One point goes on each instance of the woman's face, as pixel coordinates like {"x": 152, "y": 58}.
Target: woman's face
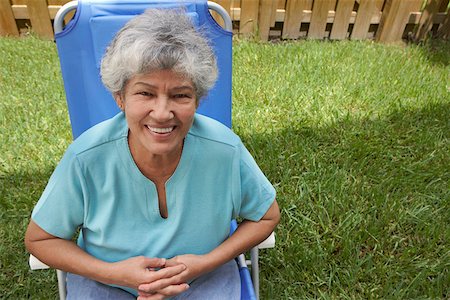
{"x": 159, "y": 108}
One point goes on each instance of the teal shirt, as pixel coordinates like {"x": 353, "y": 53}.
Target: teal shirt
{"x": 98, "y": 188}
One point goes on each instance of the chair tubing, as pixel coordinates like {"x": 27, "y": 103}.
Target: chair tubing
{"x": 72, "y": 5}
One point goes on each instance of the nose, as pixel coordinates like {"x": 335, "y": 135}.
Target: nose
{"x": 161, "y": 110}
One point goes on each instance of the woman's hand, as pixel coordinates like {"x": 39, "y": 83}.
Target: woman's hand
{"x": 137, "y": 270}
{"x": 195, "y": 265}
{"x": 163, "y": 280}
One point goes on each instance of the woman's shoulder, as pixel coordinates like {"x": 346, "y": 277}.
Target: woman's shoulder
{"x": 101, "y": 134}
{"x": 209, "y": 129}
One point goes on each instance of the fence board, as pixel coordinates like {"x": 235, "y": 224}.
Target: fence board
{"x": 40, "y": 18}
{"x": 249, "y": 17}
{"x": 332, "y": 5}
{"x": 394, "y": 19}
{"x": 319, "y": 19}
{"x": 342, "y": 19}
{"x": 309, "y": 4}
{"x": 58, "y": 2}
{"x": 364, "y": 16}
{"x": 21, "y": 11}
{"x": 444, "y": 5}
{"x": 7, "y": 20}
{"x": 431, "y": 9}
{"x": 264, "y": 19}
{"x": 273, "y": 15}
{"x": 444, "y": 30}
{"x": 293, "y": 18}
{"x": 391, "y": 17}
{"x": 379, "y": 4}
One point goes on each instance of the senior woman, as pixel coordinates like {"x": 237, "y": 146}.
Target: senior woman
{"x": 152, "y": 191}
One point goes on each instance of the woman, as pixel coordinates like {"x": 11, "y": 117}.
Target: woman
{"x": 152, "y": 190}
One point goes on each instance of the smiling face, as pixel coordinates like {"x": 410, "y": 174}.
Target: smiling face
{"x": 159, "y": 108}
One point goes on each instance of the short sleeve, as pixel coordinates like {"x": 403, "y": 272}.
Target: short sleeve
{"x": 257, "y": 193}
{"x": 60, "y": 210}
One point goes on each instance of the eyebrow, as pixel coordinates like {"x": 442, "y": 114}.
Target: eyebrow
{"x": 183, "y": 87}
{"x": 177, "y": 88}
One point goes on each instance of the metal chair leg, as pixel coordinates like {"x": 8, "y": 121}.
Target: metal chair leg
{"x": 254, "y": 257}
{"x": 61, "y": 284}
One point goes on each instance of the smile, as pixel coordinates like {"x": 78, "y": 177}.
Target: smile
{"x": 161, "y": 130}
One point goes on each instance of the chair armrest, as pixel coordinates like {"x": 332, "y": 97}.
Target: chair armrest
{"x": 268, "y": 243}
{"x": 36, "y": 264}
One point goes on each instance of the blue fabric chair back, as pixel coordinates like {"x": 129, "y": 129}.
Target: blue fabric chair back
{"x": 83, "y": 41}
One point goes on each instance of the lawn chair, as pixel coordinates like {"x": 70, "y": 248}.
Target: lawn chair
{"x": 81, "y": 45}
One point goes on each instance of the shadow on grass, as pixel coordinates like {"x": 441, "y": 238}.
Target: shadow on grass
{"x": 436, "y": 51}
{"x": 365, "y": 206}
{"x": 19, "y": 193}
{"x": 364, "y": 203}
{"x": 396, "y": 142}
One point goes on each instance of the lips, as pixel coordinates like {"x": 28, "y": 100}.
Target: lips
{"x": 161, "y": 130}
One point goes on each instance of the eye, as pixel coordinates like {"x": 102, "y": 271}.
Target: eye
{"x": 181, "y": 96}
{"x": 144, "y": 93}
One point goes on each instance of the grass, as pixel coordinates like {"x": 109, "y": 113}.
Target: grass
{"x": 354, "y": 135}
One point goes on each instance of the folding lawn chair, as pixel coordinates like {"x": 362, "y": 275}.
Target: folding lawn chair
{"x": 81, "y": 45}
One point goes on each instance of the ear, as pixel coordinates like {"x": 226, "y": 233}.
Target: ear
{"x": 119, "y": 100}
{"x": 197, "y": 102}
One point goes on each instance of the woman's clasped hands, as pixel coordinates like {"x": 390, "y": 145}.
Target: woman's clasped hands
{"x": 153, "y": 277}
{"x": 172, "y": 277}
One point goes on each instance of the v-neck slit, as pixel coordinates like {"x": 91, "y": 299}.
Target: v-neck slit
{"x": 151, "y": 192}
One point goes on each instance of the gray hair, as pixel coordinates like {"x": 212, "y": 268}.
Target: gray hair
{"x": 159, "y": 39}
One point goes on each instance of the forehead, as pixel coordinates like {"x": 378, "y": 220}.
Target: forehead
{"x": 166, "y": 79}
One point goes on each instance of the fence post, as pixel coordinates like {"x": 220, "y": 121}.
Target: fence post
{"x": 248, "y": 23}
{"x": 40, "y": 18}
{"x": 342, "y": 19}
{"x": 444, "y": 31}
{"x": 319, "y": 18}
{"x": 7, "y": 21}
{"x": 266, "y": 10}
{"x": 293, "y": 18}
{"x": 426, "y": 19}
{"x": 394, "y": 19}
{"x": 363, "y": 18}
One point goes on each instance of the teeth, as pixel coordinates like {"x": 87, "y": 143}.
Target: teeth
{"x": 161, "y": 130}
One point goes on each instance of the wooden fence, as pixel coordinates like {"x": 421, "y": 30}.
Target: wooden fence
{"x": 381, "y": 20}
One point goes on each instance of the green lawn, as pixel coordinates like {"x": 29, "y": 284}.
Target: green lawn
{"x": 354, "y": 135}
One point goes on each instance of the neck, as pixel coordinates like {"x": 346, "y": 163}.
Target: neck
{"x": 156, "y": 167}
{"x": 160, "y": 167}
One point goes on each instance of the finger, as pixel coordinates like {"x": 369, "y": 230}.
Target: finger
{"x": 172, "y": 262}
{"x": 147, "y": 294}
{"x": 163, "y": 278}
{"x": 164, "y": 273}
{"x": 154, "y": 262}
{"x": 151, "y": 297}
{"x": 173, "y": 290}
{"x": 162, "y": 283}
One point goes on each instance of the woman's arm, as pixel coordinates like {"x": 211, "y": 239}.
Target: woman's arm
{"x": 66, "y": 255}
{"x": 247, "y": 235}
